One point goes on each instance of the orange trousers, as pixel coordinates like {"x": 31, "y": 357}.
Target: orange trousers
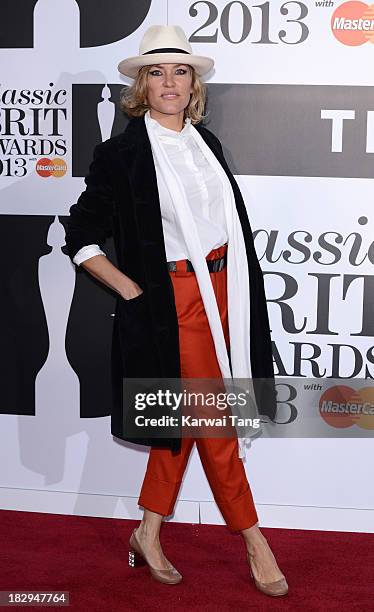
{"x": 219, "y": 456}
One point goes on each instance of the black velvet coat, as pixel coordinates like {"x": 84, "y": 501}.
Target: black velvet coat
{"x": 121, "y": 199}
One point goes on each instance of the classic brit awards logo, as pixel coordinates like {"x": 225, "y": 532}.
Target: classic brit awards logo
{"x": 33, "y": 124}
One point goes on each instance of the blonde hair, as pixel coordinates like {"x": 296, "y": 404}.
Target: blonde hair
{"x": 133, "y": 98}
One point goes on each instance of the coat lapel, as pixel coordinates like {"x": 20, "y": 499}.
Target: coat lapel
{"x": 138, "y": 165}
{"x": 136, "y": 155}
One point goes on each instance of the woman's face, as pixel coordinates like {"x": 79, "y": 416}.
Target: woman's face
{"x": 169, "y": 87}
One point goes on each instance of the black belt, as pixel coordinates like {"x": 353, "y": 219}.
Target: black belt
{"x": 214, "y": 265}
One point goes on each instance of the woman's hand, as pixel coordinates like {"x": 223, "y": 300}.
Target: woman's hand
{"x": 132, "y": 291}
{"x": 101, "y": 268}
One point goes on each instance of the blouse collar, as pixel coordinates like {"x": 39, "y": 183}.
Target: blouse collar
{"x": 166, "y": 133}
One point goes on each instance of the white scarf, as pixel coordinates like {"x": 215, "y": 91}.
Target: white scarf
{"x": 237, "y": 264}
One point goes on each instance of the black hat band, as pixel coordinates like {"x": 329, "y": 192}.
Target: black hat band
{"x": 167, "y": 50}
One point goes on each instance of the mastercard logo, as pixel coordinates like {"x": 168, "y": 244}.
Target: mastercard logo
{"x": 341, "y": 406}
{"x": 51, "y": 167}
{"x": 352, "y": 23}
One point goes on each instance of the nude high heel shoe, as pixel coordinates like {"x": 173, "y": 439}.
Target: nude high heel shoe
{"x": 275, "y": 588}
{"x": 137, "y": 557}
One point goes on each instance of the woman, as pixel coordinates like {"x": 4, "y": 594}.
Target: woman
{"x": 188, "y": 283}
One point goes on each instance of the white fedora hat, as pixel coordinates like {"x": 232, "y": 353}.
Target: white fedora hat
{"x": 164, "y": 44}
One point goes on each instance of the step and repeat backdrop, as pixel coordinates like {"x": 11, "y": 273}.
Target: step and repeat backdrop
{"x": 292, "y": 101}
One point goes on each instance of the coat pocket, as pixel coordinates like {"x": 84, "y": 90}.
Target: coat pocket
{"x": 135, "y": 299}
{"x": 134, "y": 322}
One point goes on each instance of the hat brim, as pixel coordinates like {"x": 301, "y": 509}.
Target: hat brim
{"x": 131, "y": 66}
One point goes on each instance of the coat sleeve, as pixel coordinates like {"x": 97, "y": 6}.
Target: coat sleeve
{"x": 90, "y": 220}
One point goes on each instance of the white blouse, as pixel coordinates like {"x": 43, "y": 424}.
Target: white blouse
{"x": 203, "y": 190}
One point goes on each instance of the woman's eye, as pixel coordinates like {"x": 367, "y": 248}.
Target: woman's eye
{"x": 158, "y": 72}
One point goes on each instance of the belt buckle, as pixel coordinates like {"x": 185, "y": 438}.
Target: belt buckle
{"x": 217, "y": 264}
